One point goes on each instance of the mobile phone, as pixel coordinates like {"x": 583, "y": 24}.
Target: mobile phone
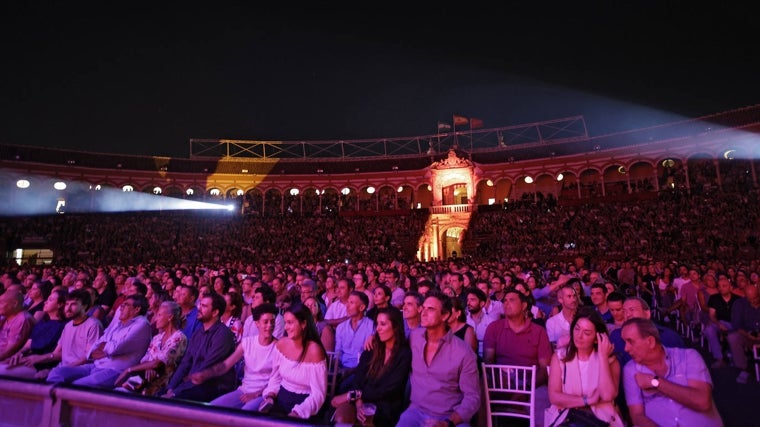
{"x": 266, "y": 406}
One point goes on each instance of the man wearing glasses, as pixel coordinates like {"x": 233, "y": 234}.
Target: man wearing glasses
{"x": 121, "y": 346}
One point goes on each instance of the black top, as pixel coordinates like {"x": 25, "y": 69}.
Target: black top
{"x": 387, "y": 391}
{"x": 721, "y": 306}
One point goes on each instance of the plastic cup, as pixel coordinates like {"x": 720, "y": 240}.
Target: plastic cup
{"x": 369, "y": 409}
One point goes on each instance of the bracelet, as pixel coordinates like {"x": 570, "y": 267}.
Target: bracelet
{"x": 585, "y": 401}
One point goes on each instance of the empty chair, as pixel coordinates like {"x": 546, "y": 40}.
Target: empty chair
{"x": 509, "y": 392}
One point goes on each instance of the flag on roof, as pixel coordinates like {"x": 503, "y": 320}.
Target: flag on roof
{"x": 460, "y": 120}
{"x": 443, "y": 127}
{"x": 476, "y": 123}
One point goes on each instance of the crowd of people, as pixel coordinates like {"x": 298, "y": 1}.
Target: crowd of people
{"x": 247, "y": 313}
{"x": 410, "y": 359}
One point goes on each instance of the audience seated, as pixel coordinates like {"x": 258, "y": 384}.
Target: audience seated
{"x": 646, "y": 236}
{"x": 122, "y": 345}
{"x": 257, "y": 353}
{"x": 43, "y": 339}
{"x": 164, "y": 353}
{"x": 298, "y": 384}
{"x": 211, "y": 344}
{"x": 381, "y": 376}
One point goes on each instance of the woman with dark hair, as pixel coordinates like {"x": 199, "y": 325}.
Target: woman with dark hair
{"x": 381, "y": 297}
{"x": 154, "y": 302}
{"x": 381, "y": 375}
{"x": 459, "y": 326}
{"x": 232, "y": 312}
{"x": 105, "y": 287}
{"x": 38, "y": 294}
{"x": 298, "y": 385}
{"x": 326, "y": 332}
{"x": 586, "y": 379}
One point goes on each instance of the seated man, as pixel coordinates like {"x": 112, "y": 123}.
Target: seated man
{"x": 599, "y": 299}
{"x": 210, "y": 345}
{"x": 444, "y": 378}
{"x": 745, "y": 319}
{"x": 122, "y": 345}
{"x": 15, "y": 323}
{"x": 635, "y": 307}
{"x": 665, "y": 386}
{"x": 350, "y": 337}
{"x": 515, "y": 340}
{"x": 77, "y": 338}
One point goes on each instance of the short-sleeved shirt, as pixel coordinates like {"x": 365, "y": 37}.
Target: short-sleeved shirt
{"x": 15, "y": 330}
{"x": 721, "y": 306}
{"x": 77, "y": 340}
{"x": 336, "y": 310}
{"x": 521, "y": 348}
{"x": 557, "y": 326}
{"x": 684, "y": 364}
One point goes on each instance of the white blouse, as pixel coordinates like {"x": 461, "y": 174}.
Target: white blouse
{"x": 301, "y": 378}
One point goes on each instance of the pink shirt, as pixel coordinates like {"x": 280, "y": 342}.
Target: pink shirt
{"x": 14, "y": 331}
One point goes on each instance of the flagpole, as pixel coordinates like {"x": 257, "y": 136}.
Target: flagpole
{"x": 470, "y": 134}
{"x": 454, "y": 123}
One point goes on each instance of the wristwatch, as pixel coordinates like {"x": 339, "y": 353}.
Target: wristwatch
{"x": 655, "y": 381}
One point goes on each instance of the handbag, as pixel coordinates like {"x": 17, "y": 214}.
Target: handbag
{"x": 578, "y": 418}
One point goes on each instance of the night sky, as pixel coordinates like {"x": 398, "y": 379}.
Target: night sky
{"x": 138, "y": 78}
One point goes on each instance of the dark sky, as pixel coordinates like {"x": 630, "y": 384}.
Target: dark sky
{"x": 126, "y": 78}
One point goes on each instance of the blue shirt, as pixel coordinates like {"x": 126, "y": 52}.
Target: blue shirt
{"x": 191, "y": 323}
{"x": 684, "y": 364}
{"x": 349, "y": 342}
{"x": 668, "y": 337}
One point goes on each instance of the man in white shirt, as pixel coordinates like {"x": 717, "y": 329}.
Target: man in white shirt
{"x": 76, "y": 340}
{"x": 336, "y": 312}
{"x": 263, "y": 295}
{"x": 558, "y": 326}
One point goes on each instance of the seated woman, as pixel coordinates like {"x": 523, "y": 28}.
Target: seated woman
{"x": 231, "y": 316}
{"x": 381, "y": 298}
{"x": 257, "y": 352}
{"x": 587, "y": 378}
{"x": 381, "y": 375}
{"x": 298, "y": 384}
{"x": 38, "y": 295}
{"x": 459, "y": 326}
{"x": 326, "y": 332}
{"x": 164, "y": 353}
{"x": 43, "y": 340}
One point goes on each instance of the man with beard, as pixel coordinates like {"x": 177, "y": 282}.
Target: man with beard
{"x": 212, "y": 343}
{"x": 76, "y": 340}
{"x": 122, "y": 345}
{"x": 476, "y": 315}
